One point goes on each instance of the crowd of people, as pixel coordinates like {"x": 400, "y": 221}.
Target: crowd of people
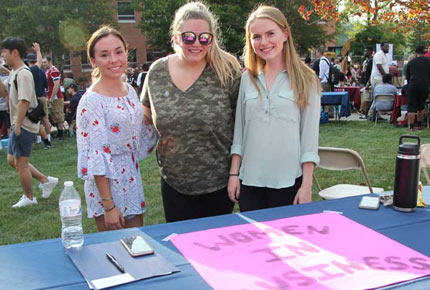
{"x": 222, "y": 134}
{"x": 20, "y": 90}
{"x": 376, "y": 75}
{"x": 27, "y": 80}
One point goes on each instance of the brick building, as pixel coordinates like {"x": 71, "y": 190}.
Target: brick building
{"x": 127, "y": 20}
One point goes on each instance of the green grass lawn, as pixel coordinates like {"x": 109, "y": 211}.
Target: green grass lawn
{"x": 376, "y": 144}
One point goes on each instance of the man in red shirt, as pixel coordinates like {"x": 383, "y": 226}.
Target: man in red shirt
{"x": 54, "y": 95}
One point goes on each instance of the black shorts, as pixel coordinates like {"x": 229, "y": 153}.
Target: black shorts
{"x": 4, "y": 118}
{"x": 417, "y": 95}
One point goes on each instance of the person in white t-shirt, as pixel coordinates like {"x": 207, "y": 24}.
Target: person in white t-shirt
{"x": 324, "y": 70}
{"x": 380, "y": 65}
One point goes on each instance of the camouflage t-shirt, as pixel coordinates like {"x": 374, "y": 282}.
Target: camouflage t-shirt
{"x": 195, "y": 128}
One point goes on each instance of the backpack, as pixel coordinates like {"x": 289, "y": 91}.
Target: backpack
{"x": 333, "y": 74}
{"x": 324, "y": 117}
{"x": 316, "y": 66}
{"x": 36, "y": 114}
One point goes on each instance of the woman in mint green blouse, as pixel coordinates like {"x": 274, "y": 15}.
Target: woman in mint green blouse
{"x": 275, "y": 144}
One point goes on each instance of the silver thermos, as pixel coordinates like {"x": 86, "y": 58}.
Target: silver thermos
{"x": 407, "y": 175}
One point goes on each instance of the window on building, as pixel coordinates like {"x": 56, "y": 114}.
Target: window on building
{"x": 125, "y": 12}
{"x": 132, "y": 56}
{"x": 86, "y": 66}
{"x": 66, "y": 58}
{"x": 152, "y": 55}
{"x": 66, "y": 63}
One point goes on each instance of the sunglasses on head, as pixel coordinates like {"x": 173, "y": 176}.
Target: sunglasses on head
{"x": 189, "y": 37}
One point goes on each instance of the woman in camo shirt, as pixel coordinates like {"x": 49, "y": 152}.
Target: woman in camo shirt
{"x": 190, "y": 97}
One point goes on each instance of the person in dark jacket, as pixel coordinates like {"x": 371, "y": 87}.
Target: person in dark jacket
{"x": 366, "y": 95}
{"x": 418, "y": 77}
{"x": 75, "y": 97}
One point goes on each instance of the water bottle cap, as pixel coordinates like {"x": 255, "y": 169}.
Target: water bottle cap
{"x": 409, "y": 149}
{"x": 68, "y": 183}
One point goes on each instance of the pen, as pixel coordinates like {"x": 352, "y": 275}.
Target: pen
{"x": 115, "y": 262}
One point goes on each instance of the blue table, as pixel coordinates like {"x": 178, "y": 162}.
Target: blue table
{"x": 336, "y": 99}
{"x": 44, "y": 265}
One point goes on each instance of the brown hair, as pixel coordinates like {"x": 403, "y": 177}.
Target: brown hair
{"x": 302, "y": 78}
{"x": 102, "y": 32}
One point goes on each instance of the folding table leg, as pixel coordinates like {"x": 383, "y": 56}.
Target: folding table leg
{"x": 336, "y": 112}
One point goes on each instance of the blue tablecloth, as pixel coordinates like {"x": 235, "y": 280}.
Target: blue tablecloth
{"x": 338, "y": 98}
{"x": 44, "y": 264}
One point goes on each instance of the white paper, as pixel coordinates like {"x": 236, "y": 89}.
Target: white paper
{"x": 112, "y": 281}
{"x": 332, "y": 211}
{"x": 166, "y": 239}
{"x": 89, "y": 284}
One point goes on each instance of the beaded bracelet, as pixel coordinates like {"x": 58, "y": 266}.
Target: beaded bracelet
{"x": 109, "y": 209}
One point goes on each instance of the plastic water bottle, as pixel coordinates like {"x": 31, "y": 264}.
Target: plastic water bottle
{"x": 72, "y": 234}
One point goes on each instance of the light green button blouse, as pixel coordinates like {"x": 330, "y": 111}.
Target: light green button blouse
{"x": 272, "y": 134}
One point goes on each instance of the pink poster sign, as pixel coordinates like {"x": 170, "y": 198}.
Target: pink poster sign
{"x": 318, "y": 251}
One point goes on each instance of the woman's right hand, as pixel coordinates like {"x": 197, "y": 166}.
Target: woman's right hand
{"x": 233, "y": 188}
{"x": 114, "y": 219}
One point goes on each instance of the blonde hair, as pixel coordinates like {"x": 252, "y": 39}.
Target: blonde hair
{"x": 302, "y": 78}
{"x": 102, "y": 32}
{"x": 225, "y": 65}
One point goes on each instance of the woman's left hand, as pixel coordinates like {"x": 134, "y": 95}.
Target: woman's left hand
{"x": 304, "y": 195}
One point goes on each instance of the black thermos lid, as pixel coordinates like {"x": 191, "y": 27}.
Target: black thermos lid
{"x": 409, "y": 148}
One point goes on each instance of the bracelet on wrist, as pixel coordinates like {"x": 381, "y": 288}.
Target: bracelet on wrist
{"x": 107, "y": 199}
{"x": 234, "y": 174}
{"x": 109, "y": 209}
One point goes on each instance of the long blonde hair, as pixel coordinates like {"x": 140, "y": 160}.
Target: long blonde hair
{"x": 302, "y": 78}
{"x": 225, "y": 65}
{"x": 100, "y": 33}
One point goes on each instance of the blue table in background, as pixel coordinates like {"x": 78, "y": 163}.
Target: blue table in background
{"x": 44, "y": 264}
{"x": 337, "y": 99}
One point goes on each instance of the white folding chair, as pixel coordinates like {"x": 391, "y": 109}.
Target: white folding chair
{"x": 425, "y": 160}
{"x": 383, "y": 98}
{"x": 340, "y": 159}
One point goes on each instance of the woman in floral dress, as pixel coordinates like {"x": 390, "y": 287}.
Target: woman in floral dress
{"x": 112, "y": 137}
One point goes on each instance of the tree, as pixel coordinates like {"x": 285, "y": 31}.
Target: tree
{"x": 396, "y": 20}
{"x": 420, "y": 36}
{"x": 371, "y": 35}
{"x": 232, "y": 17}
{"x": 155, "y": 21}
{"x": 308, "y": 33}
{"x": 59, "y": 26}
{"x": 404, "y": 15}
{"x": 158, "y": 15}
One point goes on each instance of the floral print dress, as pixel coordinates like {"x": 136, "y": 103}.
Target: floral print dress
{"x": 111, "y": 139}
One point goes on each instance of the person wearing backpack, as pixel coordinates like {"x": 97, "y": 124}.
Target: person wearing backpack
{"x": 323, "y": 70}
{"x": 40, "y": 85}
{"x": 321, "y": 66}
{"x": 22, "y": 96}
